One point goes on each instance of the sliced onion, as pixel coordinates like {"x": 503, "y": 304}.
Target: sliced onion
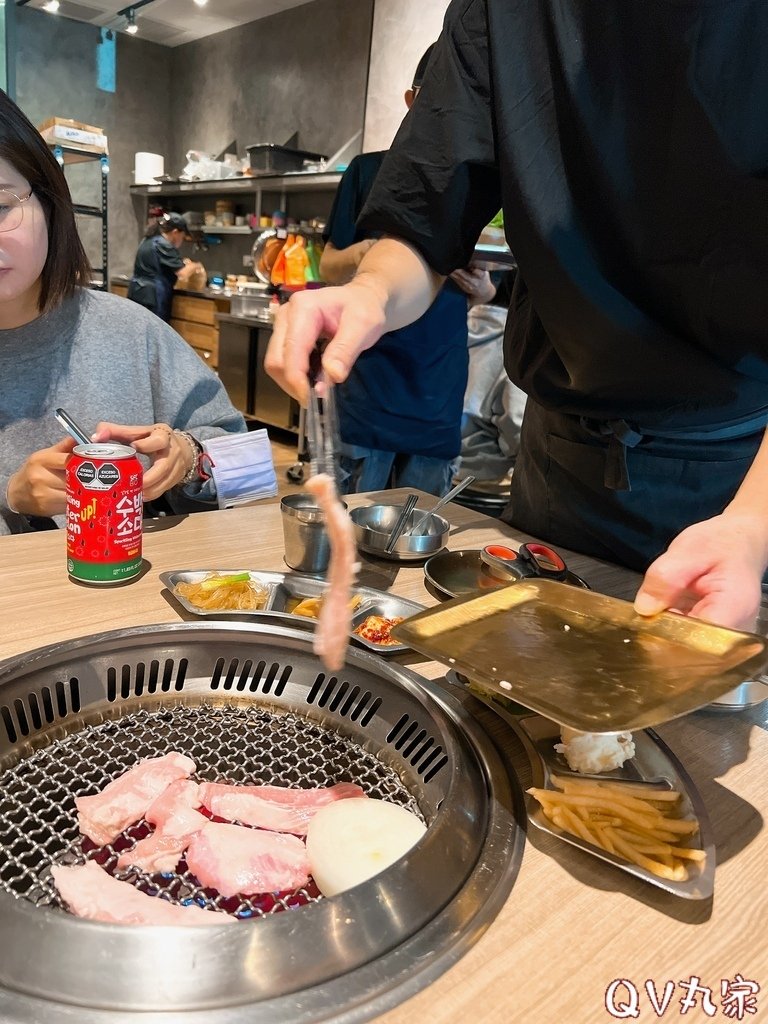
{"x": 350, "y": 841}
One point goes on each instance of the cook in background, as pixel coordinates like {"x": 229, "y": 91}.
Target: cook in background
{"x": 159, "y": 268}
{"x": 493, "y": 405}
{"x": 99, "y": 356}
{"x": 400, "y": 407}
{"x": 634, "y": 190}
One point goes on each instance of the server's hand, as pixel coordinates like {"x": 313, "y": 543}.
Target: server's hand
{"x": 712, "y": 570}
{"x": 39, "y": 487}
{"x": 171, "y": 454}
{"x": 352, "y": 317}
{"x": 393, "y": 287}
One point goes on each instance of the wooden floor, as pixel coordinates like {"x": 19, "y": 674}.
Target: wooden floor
{"x": 285, "y": 455}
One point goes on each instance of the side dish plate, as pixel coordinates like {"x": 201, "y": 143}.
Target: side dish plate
{"x": 653, "y": 763}
{"x": 284, "y": 590}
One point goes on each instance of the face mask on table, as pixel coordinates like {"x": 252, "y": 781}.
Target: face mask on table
{"x": 242, "y": 467}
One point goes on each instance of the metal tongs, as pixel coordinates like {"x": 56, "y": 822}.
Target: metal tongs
{"x": 322, "y": 422}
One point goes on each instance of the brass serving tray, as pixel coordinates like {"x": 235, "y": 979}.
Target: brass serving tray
{"x": 583, "y": 659}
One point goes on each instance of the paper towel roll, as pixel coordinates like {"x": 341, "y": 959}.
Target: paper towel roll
{"x": 147, "y": 167}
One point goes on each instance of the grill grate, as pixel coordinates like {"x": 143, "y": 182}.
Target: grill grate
{"x": 229, "y": 743}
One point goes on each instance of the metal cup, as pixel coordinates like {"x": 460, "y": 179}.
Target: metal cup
{"x": 306, "y": 541}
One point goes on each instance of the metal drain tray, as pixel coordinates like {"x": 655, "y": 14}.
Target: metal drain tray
{"x": 248, "y": 703}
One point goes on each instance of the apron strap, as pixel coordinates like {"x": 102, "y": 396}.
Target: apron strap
{"x": 622, "y": 436}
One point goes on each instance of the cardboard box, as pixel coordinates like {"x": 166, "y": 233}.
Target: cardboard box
{"x": 68, "y": 132}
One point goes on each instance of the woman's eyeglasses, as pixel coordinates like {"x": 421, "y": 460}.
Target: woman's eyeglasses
{"x": 11, "y": 210}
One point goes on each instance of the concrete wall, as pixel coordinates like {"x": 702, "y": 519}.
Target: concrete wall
{"x": 402, "y": 30}
{"x": 56, "y": 75}
{"x": 302, "y": 70}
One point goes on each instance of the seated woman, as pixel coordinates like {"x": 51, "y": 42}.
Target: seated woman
{"x": 112, "y": 364}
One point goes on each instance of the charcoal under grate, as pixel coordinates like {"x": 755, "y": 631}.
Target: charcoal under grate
{"x": 236, "y": 744}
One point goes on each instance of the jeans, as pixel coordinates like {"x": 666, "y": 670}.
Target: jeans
{"x": 368, "y": 469}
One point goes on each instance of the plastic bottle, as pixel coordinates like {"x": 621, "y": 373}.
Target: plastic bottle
{"x": 296, "y": 262}
{"x": 312, "y": 272}
{"x": 278, "y": 272}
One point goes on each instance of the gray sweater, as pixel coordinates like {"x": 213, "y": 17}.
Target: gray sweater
{"x": 101, "y": 357}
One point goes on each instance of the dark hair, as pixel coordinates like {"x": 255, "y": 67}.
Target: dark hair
{"x": 421, "y": 67}
{"x": 66, "y": 265}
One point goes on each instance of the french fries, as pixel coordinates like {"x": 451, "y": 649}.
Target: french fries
{"x": 638, "y": 824}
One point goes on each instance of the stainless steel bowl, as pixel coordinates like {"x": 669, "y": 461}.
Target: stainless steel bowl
{"x": 373, "y": 525}
{"x": 751, "y": 692}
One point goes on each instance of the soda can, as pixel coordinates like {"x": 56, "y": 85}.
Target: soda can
{"x": 104, "y": 513}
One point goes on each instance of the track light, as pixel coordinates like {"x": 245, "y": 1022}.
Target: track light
{"x": 200, "y": 3}
{"x": 51, "y": 6}
{"x": 131, "y": 27}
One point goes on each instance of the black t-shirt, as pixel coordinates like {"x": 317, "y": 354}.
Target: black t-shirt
{"x": 155, "y": 254}
{"x": 627, "y": 142}
{"x": 405, "y": 394}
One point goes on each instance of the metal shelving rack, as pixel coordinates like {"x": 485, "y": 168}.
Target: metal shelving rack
{"x": 74, "y": 155}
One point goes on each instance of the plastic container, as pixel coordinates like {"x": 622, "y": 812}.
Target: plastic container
{"x": 250, "y": 300}
{"x": 268, "y": 158}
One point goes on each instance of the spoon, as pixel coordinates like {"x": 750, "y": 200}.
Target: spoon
{"x": 417, "y": 526}
{"x": 397, "y": 529}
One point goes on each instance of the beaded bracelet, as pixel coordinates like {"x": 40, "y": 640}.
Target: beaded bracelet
{"x": 196, "y": 450}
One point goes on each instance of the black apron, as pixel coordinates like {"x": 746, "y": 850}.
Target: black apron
{"x": 619, "y": 494}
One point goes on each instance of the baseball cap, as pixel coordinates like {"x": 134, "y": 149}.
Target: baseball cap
{"x": 421, "y": 68}
{"x": 169, "y": 221}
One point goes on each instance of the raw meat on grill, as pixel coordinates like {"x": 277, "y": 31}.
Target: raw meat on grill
{"x": 104, "y": 815}
{"x": 234, "y": 859}
{"x": 176, "y": 819}
{"x": 91, "y": 892}
{"x": 335, "y": 620}
{"x": 273, "y": 807}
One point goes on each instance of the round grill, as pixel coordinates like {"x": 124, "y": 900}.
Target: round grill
{"x": 250, "y": 704}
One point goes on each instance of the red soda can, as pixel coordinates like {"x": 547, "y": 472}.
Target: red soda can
{"x": 104, "y": 513}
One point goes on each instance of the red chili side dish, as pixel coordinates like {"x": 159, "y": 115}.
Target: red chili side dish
{"x": 376, "y": 630}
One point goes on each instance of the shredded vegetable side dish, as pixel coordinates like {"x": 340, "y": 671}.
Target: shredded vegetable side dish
{"x": 224, "y": 593}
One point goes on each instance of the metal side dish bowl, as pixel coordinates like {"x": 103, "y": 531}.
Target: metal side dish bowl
{"x": 373, "y": 525}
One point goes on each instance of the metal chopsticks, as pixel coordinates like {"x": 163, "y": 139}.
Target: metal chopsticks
{"x": 397, "y": 529}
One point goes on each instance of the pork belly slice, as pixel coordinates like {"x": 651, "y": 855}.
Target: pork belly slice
{"x": 273, "y": 807}
{"x": 233, "y": 859}
{"x": 176, "y": 819}
{"x": 90, "y": 892}
{"x": 335, "y": 620}
{"x": 127, "y": 798}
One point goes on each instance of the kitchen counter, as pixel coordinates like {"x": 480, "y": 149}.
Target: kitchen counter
{"x": 245, "y": 321}
{"x": 572, "y": 924}
{"x": 122, "y": 280}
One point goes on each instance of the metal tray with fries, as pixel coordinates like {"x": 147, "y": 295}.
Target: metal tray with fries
{"x": 285, "y": 591}
{"x": 654, "y": 766}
